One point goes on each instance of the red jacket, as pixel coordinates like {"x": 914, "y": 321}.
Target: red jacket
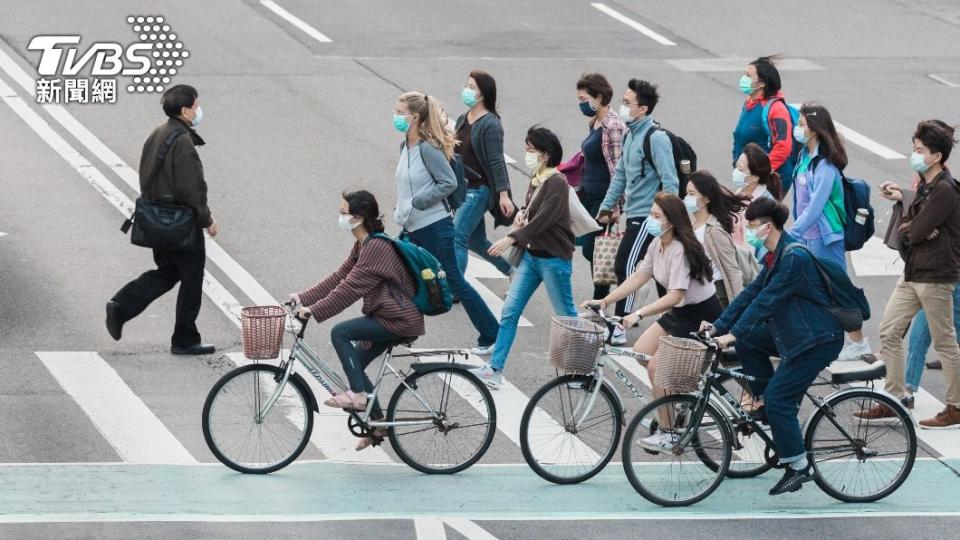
{"x": 781, "y": 129}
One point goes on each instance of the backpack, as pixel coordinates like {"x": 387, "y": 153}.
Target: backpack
{"x": 786, "y": 170}
{"x": 856, "y": 195}
{"x": 455, "y": 199}
{"x": 433, "y": 296}
{"x": 848, "y": 305}
{"x": 682, "y": 151}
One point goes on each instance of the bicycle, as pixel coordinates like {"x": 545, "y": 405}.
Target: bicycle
{"x": 440, "y": 419}
{"x": 571, "y": 427}
{"x": 853, "y": 459}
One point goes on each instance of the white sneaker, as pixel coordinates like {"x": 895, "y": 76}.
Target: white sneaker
{"x": 483, "y": 351}
{"x": 854, "y": 350}
{"x": 659, "y": 442}
{"x": 488, "y": 376}
{"x": 619, "y": 335}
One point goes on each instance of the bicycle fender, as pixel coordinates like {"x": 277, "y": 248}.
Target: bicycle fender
{"x": 427, "y": 367}
{"x": 297, "y": 380}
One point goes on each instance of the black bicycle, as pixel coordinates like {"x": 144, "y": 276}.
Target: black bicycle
{"x": 678, "y": 449}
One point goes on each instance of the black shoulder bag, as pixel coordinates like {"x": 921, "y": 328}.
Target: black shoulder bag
{"x": 163, "y": 224}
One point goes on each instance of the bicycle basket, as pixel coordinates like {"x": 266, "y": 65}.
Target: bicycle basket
{"x": 575, "y": 344}
{"x": 680, "y": 363}
{"x": 262, "y": 331}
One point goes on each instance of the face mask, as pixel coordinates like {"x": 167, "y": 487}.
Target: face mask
{"x": 532, "y": 161}
{"x": 918, "y": 163}
{"x": 469, "y": 97}
{"x": 400, "y": 123}
{"x": 655, "y": 228}
{"x": 625, "y": 113}
{"x": 750, "y": 235}
{"x": 197, "y": 118}
{"x": 739, "y": 179}
{"x": 799, "y": 134}
{"x": 746, "y": 84}
{"x": 691, "y": 203}
{"x": 344, "y": 222}
{"x": 587, "y": 109}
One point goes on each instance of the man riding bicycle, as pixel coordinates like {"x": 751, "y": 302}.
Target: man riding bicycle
{"x": 781, "y": 313}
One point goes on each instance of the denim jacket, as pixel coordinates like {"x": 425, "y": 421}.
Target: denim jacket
{"x": 779, "y": 298}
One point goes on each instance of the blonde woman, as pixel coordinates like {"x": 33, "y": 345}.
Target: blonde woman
{"x": 424, "y": 179}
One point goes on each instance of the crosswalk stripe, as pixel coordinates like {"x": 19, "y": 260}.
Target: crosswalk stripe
{"x": 429, "y": 529}
{"x": 330, "y": 433}
{"x": 124, "y": 419}
{"x": 944, "y": 442}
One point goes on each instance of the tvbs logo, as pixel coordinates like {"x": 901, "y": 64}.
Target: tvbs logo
{"x": 150, "y": 63}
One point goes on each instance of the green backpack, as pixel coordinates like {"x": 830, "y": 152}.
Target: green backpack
{"x": 433, "y": 296}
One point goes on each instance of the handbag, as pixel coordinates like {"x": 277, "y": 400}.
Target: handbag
{"x": 605, "y": 249}
{"x": 581, "y": 222}
{"x": 162, "y": 224}
{"x": 572, "y": 169}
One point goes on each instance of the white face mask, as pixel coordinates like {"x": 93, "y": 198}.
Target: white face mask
{"x": 625, "y": 113}
{"x": 532, "y": 161}
{"x": 197, "y": 118}
{"x": 344, "y": 222}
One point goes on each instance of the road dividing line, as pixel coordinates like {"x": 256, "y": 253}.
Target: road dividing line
{"x": 863, "y": 141}
{"x": 876, "y": 259}
{"x": 330, "y": 433}
{"x": 943, "y": 80}
{"x": 122, "y": 418}
{"x": 633, "y": 24}
{"x": 296, "y": 21}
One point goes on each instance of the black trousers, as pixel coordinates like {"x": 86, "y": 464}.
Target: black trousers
{"x": 633, "y": 248}
{"x": 173, "y": 267}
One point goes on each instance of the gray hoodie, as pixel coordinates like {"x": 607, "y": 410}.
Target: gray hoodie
{"x": 424, "y": 180}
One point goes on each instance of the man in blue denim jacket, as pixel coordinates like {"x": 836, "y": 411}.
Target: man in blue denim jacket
{"x": 780, "y": 314}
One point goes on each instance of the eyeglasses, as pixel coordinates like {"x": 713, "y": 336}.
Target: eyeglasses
{"x": 629, "y": 104}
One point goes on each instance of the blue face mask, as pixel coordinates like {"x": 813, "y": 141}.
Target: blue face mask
{"x": 750, "y": 235}
{"x": 691, "y": 203}
{"x": 799, "y": 134}
{"x": 918, "y": 163}
{"x": 739, "y": 179}
{"x": 400, "y": 123}
{"x": 587, "y": 109}
{"x": 746, "y": 84}
{"x": 469, "y": 97}
{"x": 654, "y": 228}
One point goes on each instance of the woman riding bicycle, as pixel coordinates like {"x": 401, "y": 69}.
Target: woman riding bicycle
{"x": 370, "y": 272}
{"x": 781, "y": 313}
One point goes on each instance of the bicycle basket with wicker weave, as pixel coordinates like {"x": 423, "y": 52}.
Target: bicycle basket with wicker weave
{"x": 680, "y": 363}
{"x": 262, "y": 331}
{"x": 575, "y": 344}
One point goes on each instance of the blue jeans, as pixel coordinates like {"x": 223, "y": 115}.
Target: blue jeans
{"x": 354, "y": 358}
{"x": 785, "y": 388}
{"x": 920, "y": 341}
{"x": 555, "y": 273}
{"x": 437, "y": 238}
{"x": 470, "y": 230}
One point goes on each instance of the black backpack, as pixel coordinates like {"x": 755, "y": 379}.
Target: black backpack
{"x": 682, "y": 151}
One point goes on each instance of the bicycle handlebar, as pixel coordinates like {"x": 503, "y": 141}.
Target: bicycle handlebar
{"x": 599, "y": 312}
{"x": 292, "y": 311}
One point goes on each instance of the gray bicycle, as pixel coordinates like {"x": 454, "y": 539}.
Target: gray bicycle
{"x": 440, "y": 419}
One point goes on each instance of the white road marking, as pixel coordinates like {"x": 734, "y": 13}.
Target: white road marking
{"x": 296, "y": 21}
{"x": 736, "y": 64}
{"x": 863, "y": 141}
{"x": 876, "y": 259}
{"x": 494, "y": 302}
{"x": 330, "y": 433}
{"x": 122, "y": 418}
{"x": 944, "y": 442}
{"x": 633, "y": 24}
{"x": 942, "y": 79}
{"x": 469, "y": 529}
{"x": 429, "y": 529}
{"x": 2, "y": 234}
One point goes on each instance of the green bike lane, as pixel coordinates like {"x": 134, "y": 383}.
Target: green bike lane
{"x": 318, "y": 491}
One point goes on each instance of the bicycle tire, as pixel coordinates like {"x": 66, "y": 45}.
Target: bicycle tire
{"x": 606, "y": 396}
{"x": 902, "y": 417}
{"x": 628, "y": 450}
{"x": 211, "y": 438}
{"x": 477, "y": 392}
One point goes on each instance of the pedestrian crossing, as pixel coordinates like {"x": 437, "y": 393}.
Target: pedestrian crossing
{"x": 140, "y": 436}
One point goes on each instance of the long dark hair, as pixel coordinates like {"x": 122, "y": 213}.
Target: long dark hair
{"x": 676, "y": 214}
{"x": 768, "y": 73}
{"x": 820, "y": 122}
{"x": 759, "y": 164}
{"x": 724, "y": 204}
{"x": 363, "y": 205}
{"x": 487, "y": 86}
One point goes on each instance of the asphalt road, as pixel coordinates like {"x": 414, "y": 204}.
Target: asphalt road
{"x": 291, "y": 122}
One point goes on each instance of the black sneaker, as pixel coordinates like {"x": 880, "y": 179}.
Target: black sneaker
{"x": 114, "y": 320}
{"x": 792, "y": 481}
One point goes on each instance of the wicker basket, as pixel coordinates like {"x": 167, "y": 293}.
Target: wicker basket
{"x": 262, "y": 331}
{"x": 575, "y": 344}
{"x": 680, "y": 363}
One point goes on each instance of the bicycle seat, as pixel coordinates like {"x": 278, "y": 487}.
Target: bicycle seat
{"x": 857, "y": 373}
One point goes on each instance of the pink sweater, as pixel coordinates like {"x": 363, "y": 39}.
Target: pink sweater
{"x": 375, "y": 273}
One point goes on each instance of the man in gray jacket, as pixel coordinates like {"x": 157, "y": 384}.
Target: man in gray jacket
{"x": 179, "y": 178}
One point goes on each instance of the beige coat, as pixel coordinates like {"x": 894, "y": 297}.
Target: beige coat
{"x": 722, "y": 251}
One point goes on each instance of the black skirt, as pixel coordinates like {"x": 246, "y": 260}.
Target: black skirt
{"x": 684, "y": 320}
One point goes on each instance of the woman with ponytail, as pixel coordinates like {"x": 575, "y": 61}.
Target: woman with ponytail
{"x": 424, "y": 179}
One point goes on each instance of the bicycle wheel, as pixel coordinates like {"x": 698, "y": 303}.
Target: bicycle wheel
{"x": 561, "y": 444}
{"x": 749, "y": 449}
{"x": 661, "y": 470}
{"x": 859, "y": 460}
{"x": 460, "y": 431}
{"x": 230, "y": 424}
